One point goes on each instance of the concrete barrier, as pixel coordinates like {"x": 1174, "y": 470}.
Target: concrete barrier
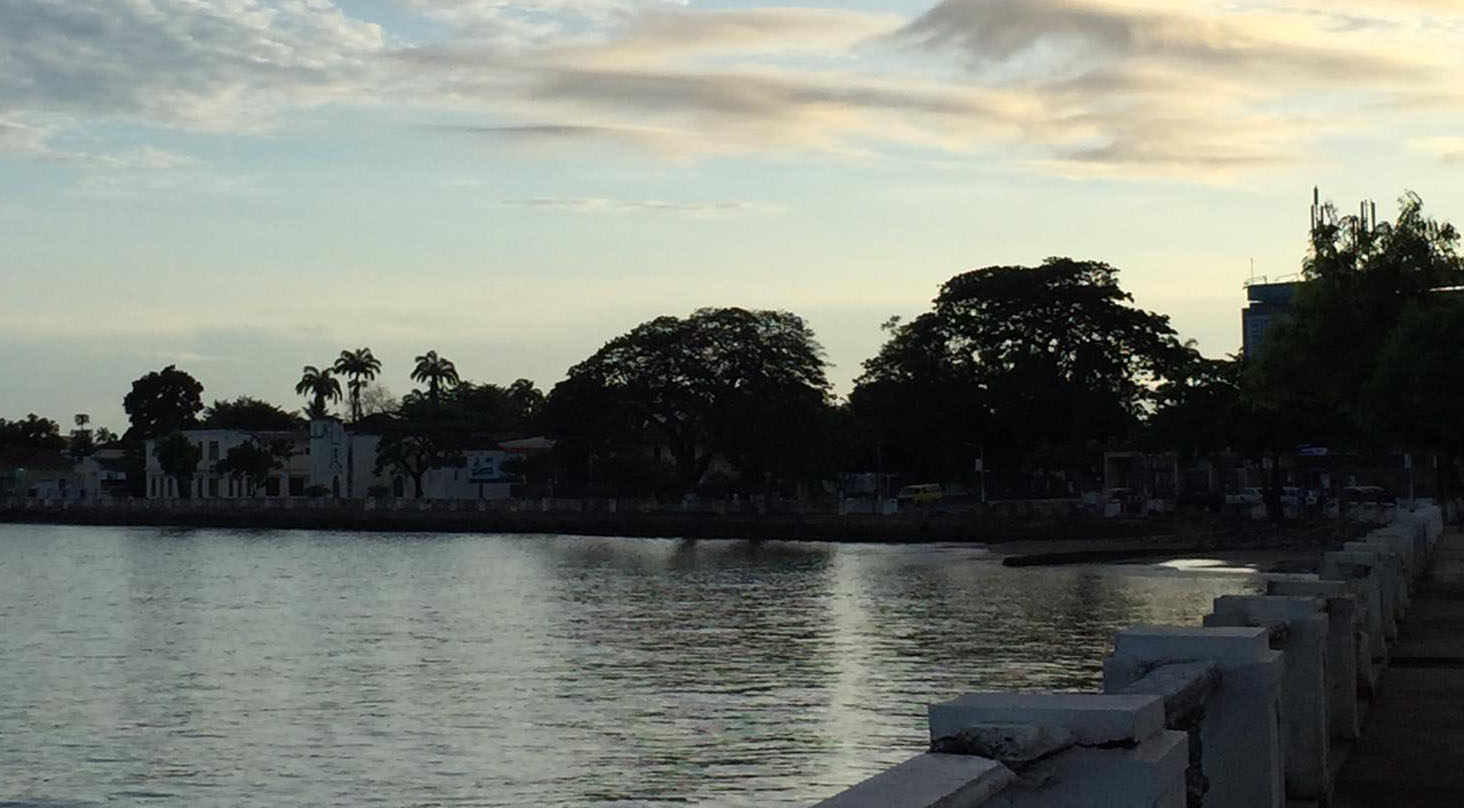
{"x": 1305, "y": 724}
{"x": 1344, "y": 628}
{"x": 1241, "y": 712}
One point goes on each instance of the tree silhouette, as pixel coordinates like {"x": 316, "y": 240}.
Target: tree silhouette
{"x": 436, "y": 372}
{"x": 178, "y": 457}
{"x": 701, "y": 384}
{"x": 251, "y": 463}
{"x": 425, "y": 435}
{"x": 32, "y": 432}
{"x": 81, "y": 444}
{"x": 161, "y": 402}
{"x": 1036, "y": 366}
{"x": 360, "y": 366}
{"x": 251, "y": 415}
{"x": 321, "y": 387}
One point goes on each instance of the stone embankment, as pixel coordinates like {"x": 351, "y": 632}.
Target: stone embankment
{"x": 590, "y": 517}
{"x": 1256, "y": 708}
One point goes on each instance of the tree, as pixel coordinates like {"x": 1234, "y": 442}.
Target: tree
{"x": 105, "y": 435}
{"x": 32, "y": 432}
{"x": 162, "y": 402}
{"x": 436, "y": 372}
{"x": 376, "y": 399}
{"x": 1201, "y": 410}
{"x": 178, "y": 456}
{"x": 527, "y": 399}
{"x": 81, "y": 444}
{"x": 422, "y": 438}
{"x": 696, "y": 384}
{"x": 251, "y": 463}
{"x": 360, "y": 366}
{"x": 1360, "y": 280}
{"x": 1036, "y": 366}
{"x": 250, "y": 415}
{"x": 321, "y": 387}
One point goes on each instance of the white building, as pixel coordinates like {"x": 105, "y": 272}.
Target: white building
{"x": 330, "y": 459}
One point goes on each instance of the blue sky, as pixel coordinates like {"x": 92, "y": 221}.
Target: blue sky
{"x": 243, "y": 187}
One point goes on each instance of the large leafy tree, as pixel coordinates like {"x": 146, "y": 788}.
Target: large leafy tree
{"x": 424, "y": 435}
{"x": 161, "y": 402}
{"x": 321, "y": 386}
{"x": 31, "y": 432}
{"x": 360, "y": 367}
{"x": 178, "y": 456}
{"x": 1033, "y": 366}
{"x": 1360, "y": 282}
{"x": 250, "y": 414}
{"x": 729, "y": 380}
{"x": 436, "y": 372}
{"x": 250, "y": 462}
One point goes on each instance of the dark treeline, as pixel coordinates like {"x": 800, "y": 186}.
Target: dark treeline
{"x": 1034, "y": 371}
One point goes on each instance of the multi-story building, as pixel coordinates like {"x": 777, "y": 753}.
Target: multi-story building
{"x": 1266, "y": 302}
{"x": 328, "y": 459}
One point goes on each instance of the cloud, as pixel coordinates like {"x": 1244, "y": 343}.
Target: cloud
{"x": 230, "y": 65}
{"x": 1064, "y": 35}
{"x": 1206, "y": 91}
{"x": 1447, "y": 149}
{"x": 602, "y": 205}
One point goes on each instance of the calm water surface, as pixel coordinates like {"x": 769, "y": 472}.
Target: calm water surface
{"x": 198, "y": 667}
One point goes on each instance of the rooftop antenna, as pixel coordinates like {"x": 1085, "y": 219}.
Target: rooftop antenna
{"x": 1315, "y": 208}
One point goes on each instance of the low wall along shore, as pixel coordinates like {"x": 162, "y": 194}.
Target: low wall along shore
{"x": 1252, "y": 709}
{"x": 592, "y": 517}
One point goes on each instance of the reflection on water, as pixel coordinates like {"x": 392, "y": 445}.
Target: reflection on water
{"x": 166, "y": 667}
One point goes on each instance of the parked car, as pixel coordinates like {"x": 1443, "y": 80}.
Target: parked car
{"x": 923, "y": 494}
{"x": 1370, "y": 494}
{"x": 1127, "y": 500}
{"x": 1246, "y": 496}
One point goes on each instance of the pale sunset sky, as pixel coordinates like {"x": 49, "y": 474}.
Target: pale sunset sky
{"x": 243, "y": 187}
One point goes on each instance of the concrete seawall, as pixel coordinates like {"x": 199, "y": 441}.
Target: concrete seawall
{"x": 1256, "y": 708}
{"x": 576, "y": 517}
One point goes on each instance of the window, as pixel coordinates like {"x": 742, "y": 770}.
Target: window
{"x": 213, "y": 450}
{"x": 213, "y": 484}
{"x": 297, "y": 486}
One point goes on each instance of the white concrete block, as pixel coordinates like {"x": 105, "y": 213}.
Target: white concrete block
{"x": 1091, "y": 718}
{"x": 1305, "y": 721}
{"x": 1363, "y": 571}
{"x": 1241, "y": 742}
{"x": 1148, "y": 775}
{"x": 1343, "y": 628}
{"x": 928, "y": 781}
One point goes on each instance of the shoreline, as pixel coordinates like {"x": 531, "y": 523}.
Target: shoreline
{"x": 902, "y": 528}
{"x": 1020, "y": 541}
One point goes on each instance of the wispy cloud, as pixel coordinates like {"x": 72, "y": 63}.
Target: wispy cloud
{"x": 603, "y": 205}
{"x": 1207, "y": 91}
{"x": 1447, "y": 149}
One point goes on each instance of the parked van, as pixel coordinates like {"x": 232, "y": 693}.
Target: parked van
{"x": 923, "y": 494}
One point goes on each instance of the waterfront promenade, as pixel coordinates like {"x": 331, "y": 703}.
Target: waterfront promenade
{"x": 1407, "y": 756}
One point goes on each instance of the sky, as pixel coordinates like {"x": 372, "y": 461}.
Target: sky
{"x": 245, "y": 187}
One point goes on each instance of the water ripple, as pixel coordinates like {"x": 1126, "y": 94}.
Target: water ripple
{"x": 242, "y": 668}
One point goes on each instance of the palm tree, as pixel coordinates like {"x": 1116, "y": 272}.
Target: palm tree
{"x": 321, "y": 386}
{"x": 362, "y": 367}
{"x": 436, "y": 372}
